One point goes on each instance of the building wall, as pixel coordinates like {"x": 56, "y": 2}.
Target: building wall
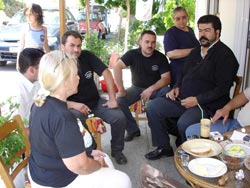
{"x": 234, "y": 15}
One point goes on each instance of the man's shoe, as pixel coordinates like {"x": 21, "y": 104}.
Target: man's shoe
{"x": 159, "y": 152}
{"x": 130, "y": 137}
{"x": 119, "y": 157}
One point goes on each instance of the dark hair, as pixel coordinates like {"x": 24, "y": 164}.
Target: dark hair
{"x": 178, "y": 9}
{"x": 150, "y": 32}
{"x": 70, "y": 33}
{"x": 36, "y": 10}
{"x": 214, "y": 20}
{"x": 29, "y": 57}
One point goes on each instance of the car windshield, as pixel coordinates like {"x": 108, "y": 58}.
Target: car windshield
{"x": 82, "y": 16}
{"x": 50, "y": 17}
{"x": 17, "y": 19}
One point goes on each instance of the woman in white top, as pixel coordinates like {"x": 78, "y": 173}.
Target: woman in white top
{"x": 34, "y": 34}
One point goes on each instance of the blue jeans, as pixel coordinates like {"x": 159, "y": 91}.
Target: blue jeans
{"x": 161, "y": 108}
{"x": 133, "y": 95}
{"x": 115, "y": 118}
{"x": 231, "y": 124}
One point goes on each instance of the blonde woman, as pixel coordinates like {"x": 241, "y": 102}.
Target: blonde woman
{"x": 58, "y": 155}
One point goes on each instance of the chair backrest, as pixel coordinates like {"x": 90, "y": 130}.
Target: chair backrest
{"x": 238, "y": 81}
{"x": 235, "y": 90}
{"x": 7, "y": 173}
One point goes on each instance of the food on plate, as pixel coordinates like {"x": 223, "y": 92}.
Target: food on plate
{"x": 201, "y": 150}
{"x": 201, "y": 169}
{"x": 235, "y": 150}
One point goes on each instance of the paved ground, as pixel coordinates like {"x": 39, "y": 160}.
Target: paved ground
{"x": 135, "y": 151}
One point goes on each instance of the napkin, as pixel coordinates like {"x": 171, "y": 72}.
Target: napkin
{"x": 238, "y": 135}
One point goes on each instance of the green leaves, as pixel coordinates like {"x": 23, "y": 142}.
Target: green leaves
{"x": 15, "y": 140}
{"x": 10, "y": 145}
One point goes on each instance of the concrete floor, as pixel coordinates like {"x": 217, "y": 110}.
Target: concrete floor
{"x": 135, "y": 151}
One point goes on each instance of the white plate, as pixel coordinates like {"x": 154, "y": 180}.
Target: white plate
{"x": 207, "y": 167}
{"x": 199, "y": 143}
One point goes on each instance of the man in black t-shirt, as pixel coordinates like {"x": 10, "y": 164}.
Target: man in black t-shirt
{"x": 203, "y": 87}
{"x": 87, "y": 100}
{"x": 150, "y": 72}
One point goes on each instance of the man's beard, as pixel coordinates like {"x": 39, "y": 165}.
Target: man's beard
{"x": 208, "y": 42}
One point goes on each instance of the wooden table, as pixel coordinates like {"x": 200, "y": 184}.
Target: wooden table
{"x": 202, "y": 182}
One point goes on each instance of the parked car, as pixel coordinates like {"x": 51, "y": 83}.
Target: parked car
{"x": 95, "y": 19}
{"x": 98, "y": 16}
{"x": 10, "y": 34}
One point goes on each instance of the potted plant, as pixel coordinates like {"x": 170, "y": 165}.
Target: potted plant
{"x": 15, "y": 140}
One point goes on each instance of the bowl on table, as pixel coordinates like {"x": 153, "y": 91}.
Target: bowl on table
{"x": 247, "y": 162}
{"x": 233, "y": 155}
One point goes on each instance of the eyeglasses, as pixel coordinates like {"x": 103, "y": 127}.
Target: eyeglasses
{"x": 64, "y": 58}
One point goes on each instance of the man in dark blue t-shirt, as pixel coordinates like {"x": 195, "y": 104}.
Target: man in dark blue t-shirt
{"x": 87, "y": 99}
{"x": 150, "y": 72}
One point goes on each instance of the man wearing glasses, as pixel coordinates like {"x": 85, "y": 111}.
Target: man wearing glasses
{"x": 87, "y": 100}
{"x": 205, "y": 82}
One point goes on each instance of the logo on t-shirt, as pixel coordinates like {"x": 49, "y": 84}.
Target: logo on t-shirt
{"x": 88, "y": 75}
{"x": 42, "y": 38}
{"x": 155, "y": 68}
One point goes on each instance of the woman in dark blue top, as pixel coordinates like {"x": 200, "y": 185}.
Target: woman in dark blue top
{"x": 179, "y": 40}
{"x": 58, "y": 153}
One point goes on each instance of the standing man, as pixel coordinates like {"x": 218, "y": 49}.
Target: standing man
{"x": 88, "y": 100}
{"x": 206, "y": 79}
{"x": 178, "y": 42}
{"x": 150, "y": 78}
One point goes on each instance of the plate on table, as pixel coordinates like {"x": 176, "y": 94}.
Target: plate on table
{"x": 207, "y": 167}
{"x": 199, "y": 144}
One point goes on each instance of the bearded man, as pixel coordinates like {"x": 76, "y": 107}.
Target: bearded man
{"x": 203, "y": 87}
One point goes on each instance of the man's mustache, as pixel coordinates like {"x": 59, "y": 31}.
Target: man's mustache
{"x": 203, "y": 38}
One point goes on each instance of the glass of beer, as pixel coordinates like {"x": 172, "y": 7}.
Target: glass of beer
{"x": 205, "y": 128}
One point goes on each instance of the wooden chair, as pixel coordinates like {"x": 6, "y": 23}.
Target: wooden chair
{"x": 7, "y": 174}
{"x": 237, "y": 85}
{"x": 139, "y": 111}
{"x": 94, "y": 124}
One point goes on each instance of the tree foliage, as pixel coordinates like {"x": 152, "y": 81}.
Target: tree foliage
{"x": 12, "y": 6}
{"x": 1, "y": 5}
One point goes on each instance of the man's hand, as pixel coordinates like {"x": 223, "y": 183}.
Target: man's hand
{"x": 173, "y": 94}
{"x": 111, "y": 104}
{"x": 146, "y": 94}
{"x": 223, "y": 112}
{"x": 189, "y": 102}
{"x": 80, "y": 107}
